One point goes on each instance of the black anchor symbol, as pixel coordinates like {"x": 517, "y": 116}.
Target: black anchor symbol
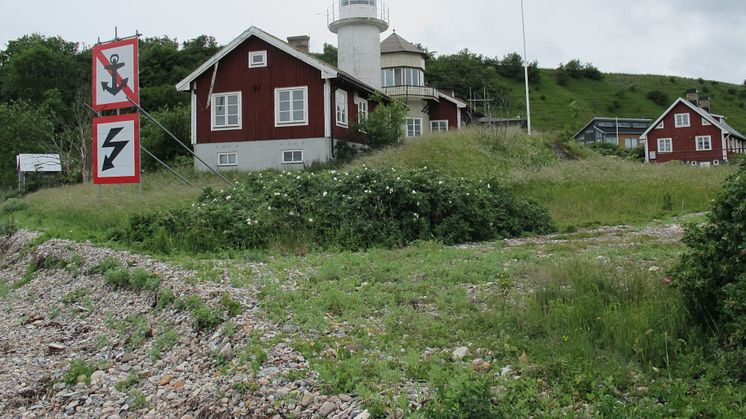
{"x": 113, "y": 68}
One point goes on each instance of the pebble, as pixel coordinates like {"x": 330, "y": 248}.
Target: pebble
{"x": 459, "y": 353}
{"x": 327, "y": 408}
{"x": 185, "y": 382}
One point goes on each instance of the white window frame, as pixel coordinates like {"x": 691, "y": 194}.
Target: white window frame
{"x": 262, "y": 63}
{"x": 362, "y": 110}
{"x": 660, "y": 126}
{"x": 214, "y": 116}
{"x": 228, "y": 159}
{"x": 413, "y": 123}
{"x": 664, "y": 150}
{"x": 292, "y": 159}
{"x": 439, "y": 125}
{"x": 707, "y": 138}
{"x": 341, "y": 102}
{"x": 292, "y": 122}
{"x": 682, "y": 120}
{"x": 705, "y": 122}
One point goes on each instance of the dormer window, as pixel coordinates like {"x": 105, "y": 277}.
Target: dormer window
{"x": 257, "y": 59}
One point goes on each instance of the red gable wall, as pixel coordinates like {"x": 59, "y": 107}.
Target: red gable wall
{"x": 258, "y": 95}
{"x": 445, "y": 110}
{"x": 684, "y": 139}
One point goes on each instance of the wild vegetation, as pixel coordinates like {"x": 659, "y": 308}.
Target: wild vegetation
{"x": 585, "y": 322}
{"x": 346, "y": 210}
{"x": 712, "y": 272}
{"x": 606, "y": 322}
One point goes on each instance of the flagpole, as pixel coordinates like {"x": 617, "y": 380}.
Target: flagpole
{"x": 525, "y": 68}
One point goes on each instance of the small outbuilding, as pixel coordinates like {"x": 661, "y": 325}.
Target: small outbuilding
{"x": 623, "y": 132}
{"x": 36, "y": 163}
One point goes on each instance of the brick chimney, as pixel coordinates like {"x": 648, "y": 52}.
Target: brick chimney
{"x": 704, "y": 103}
{"x": 692, "y": 95}
{"x": 300, "y": 43}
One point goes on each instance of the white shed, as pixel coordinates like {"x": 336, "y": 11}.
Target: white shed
{"x": 25, "y": 163}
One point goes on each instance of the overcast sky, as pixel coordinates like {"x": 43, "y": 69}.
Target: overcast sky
{"x": 694, "y": 38}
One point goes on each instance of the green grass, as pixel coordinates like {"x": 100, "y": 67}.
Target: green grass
{"x": 592, "y": 190}
{"x": 89, "y": 212}
{"x": 622, "y": 95}
{"x": 606, "y": 191}
{"x": 581, "y": 332}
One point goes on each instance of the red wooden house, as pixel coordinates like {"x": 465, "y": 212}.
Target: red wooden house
{"x": 689, "y": 133}
{"x": 261, "y": 103}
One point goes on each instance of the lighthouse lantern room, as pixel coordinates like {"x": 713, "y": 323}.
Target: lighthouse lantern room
{"x": 358, "y": 25}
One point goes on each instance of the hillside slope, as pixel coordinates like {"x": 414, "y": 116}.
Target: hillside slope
{"x": 622, "y": 95}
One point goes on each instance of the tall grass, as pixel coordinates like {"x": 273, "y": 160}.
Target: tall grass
{"x": 609, "y": 191}
{"x": 593, "y": 308}
{"x": 89, "y": 212}
{"x": 585, "y": 190}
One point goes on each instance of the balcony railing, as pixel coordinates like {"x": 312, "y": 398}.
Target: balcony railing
{"x": 338, "y": 15}
{"x": 419, "y": 91}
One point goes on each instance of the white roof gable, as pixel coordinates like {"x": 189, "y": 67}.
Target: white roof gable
{"x": 38, "y": 163}
{"x": 327, "y": 71}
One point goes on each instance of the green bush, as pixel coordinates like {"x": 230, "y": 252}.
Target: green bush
{"x": 105, "y": 265}
{"x": 12, "y": 205}
{"x": 383, "y": 126}
{"x": 712, "y": 272}
{"x": 141, "y": 279}
{"x": 79, "y": 371}
{"x": 206, "y": 318}
{"x": 346, "y": 210}
{"x": 118, "y": 277}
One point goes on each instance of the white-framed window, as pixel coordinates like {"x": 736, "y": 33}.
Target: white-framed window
{"x": 402, "y": 77}
{"x": 665, "y": 145}
{"x": 704, "y": 143}
{"x": 362, "y": 110}
{"x": 705, "y": 122}
{"x": 440, "y": 125}
{"x": 227, "y": 159}
{"x": 630, "y": 142}
{"x": 414, "y": 127}
{"x": 340, "y": 99}
{"x": 660, "y": 126}
{"x": 226, "y": 111}
{"x": 291, "y": 106}
{"x": 682, "y": 120}
{"x": 257, "y": 59}
{"x": 716, "y": 162}
{"x": 292, "y": 156}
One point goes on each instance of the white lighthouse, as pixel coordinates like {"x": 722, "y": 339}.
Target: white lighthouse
{"x": 358, "y": 25}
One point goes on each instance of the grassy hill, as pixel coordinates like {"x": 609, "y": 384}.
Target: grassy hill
{"x": 577, "y": 186}
{"x": 622, "y": 95}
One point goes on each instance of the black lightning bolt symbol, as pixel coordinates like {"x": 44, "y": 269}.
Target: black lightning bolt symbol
{"x": 118, "y": 146}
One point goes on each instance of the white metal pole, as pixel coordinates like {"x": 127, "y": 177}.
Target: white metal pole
{"x": 525, "y": 68}
{"x": 618, "y": 141}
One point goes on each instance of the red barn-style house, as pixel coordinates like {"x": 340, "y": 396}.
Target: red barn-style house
{"x": 689, "y": 133}
{"x": 261, "y": 103}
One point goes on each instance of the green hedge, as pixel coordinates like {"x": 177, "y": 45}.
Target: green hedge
{"x": 341, "y": 210}
{"x": 712, "y": 272}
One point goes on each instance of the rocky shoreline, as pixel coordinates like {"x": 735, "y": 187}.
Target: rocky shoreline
{"x": 139, "y": 360}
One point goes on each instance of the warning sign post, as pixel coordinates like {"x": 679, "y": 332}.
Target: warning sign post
{"x": 116, "y": 149}
{"x": 115, "y": 75}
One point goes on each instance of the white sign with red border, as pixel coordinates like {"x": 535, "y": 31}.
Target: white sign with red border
{"x": 116, "y": 149}
{"x": 115, "y": 75}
